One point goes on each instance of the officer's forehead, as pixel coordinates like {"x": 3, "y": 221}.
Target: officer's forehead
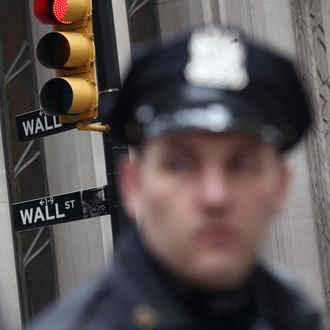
{"x": 203, "y": 142}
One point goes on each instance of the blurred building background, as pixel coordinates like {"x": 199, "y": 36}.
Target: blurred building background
{"x": 41, "y": 265}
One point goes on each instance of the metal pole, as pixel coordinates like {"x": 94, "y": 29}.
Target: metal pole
{"x": 108, "y": 77}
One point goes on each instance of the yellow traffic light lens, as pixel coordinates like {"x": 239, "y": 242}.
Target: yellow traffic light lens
{"x": 61, "y": 96}
{"x": 53, "y": 50}
{"x": 66, "y": 97}
{"x": 56, "y": 97}
{"x": 59, "y": 50}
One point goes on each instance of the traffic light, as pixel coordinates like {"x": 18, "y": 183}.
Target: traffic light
{"x": 69, "y": 49}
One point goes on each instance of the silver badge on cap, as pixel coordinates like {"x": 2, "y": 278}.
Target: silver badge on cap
{"x": 217, "y": 59}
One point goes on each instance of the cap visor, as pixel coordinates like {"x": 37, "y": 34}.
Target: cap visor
{"x": 214, "y": 118}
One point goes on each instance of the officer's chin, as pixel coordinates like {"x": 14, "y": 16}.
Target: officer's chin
{"x": 219, "y": 273}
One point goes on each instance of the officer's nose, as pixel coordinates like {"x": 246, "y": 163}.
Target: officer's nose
{"x": 214, "y": 189}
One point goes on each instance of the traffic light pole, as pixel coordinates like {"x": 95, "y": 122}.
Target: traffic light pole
{"x": 108, "y": 78}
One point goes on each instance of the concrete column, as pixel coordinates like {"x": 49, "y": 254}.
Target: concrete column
{"x": 122, "y": 34}
{"x": 10, "y": 313}
{"x": 178, "y": 16}
{"x": 74, "y": 161}
{"x": 311, "y": 23}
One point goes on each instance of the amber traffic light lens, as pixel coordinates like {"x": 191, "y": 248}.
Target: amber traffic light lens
{"x": 56, "y": 97}
{"x": 67, "y": 95}
{"x": 53, "y": 50}
{"x": 59, "y": 50}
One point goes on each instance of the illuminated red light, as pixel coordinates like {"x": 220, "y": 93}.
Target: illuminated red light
{"x": 60, "y": 8}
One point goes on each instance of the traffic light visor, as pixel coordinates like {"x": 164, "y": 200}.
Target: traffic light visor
{"x": 59, "y": 50}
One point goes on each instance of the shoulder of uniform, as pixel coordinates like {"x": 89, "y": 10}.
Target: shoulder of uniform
{"x": 289, "y": 299}
{"x": 76, "y": 310}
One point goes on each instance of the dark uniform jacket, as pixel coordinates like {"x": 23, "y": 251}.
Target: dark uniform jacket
{"x": 138, "y": 294}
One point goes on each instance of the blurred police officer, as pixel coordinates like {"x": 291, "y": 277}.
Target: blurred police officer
{"x": 210, "y": 117}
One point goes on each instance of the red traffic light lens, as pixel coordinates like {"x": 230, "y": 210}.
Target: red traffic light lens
{"x": 60, "y": 8}
{"x": 42, "y": 12}
{"x": 51, "y": 11}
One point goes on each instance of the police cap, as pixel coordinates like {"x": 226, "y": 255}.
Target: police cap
{"x": 216, "y": 80}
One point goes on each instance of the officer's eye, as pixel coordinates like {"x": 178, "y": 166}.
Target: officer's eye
{"x": 180, "y": 165}
{"x": 244, "y": 165}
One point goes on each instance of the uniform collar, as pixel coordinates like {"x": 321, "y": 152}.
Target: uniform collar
{"x": 174, "y": 304}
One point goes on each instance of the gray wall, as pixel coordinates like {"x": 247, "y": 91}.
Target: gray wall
{"x": 10, "y": 314}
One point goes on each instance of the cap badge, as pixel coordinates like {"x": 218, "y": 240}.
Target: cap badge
{"x": 217, "y": 59}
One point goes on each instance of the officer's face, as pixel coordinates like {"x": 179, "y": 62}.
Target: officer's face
{"x": 203, "y": 201}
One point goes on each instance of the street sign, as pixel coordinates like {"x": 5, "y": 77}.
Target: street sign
{"x": 56, "y": 209}
{"x": 35, "y": 124}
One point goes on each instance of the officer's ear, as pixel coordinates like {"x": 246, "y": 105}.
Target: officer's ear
{"x": 129, "y": 184}
{"x": 284, "y": 178}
